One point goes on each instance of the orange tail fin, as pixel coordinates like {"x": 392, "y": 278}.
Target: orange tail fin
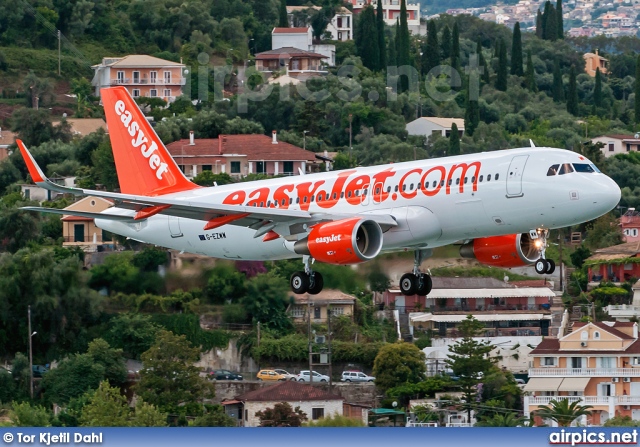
{"x": 143, "y": 163}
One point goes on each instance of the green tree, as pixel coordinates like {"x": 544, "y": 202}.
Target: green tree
{"x": 503, "y": 420}
{"x": 7, "y": 387}
{"x": 397, "y": 364}
{"x": 133, "y": 333}
{"x": 266, "y": 301}
{"x": 558, "y": 87}
{"x": 597, "y": 91}
{"x": 225, "y": 283}
{"x": 214, "y": 417}
{"x": 404, "y": 44}
{"x": 469, "y": 359}
{"x": 25, "y": 415}
{"x": 579, "y": 255}
{"x": 455, "y": 47}
{"x": 471, "y": 115}
{"x": 559, "y": 20}
{"x": 431, "y": 51}
{"x": 621, "y": 421}
{"x": 150, "y": 258}
{"x": 72, "y": 378}
{"x": 382, "y": 44}
{"x": 516, "y": 52}
{"x": 501, "y": 77}
{"x": 454, "y": 140}
{"x": 446, "y": 42}
{"x": 539, "y": 28}
{"x": 603, "y": 232}
{"x": 81, "y": 88}
{"x": 208, "y": 178}
{"x": 636, "y": 84}
{"x": 530, "y": 76}
{"x": 367, "y": 42}
{"x": 281, "y": 415}
{"x": 115, "y": 369}
{"x": 34, "y": 128}
{"x": 283, "y": 20}
{"x": 335, "y": 420}
{"x": 482, "y": 64}
{"x": 563, "y": 412}
{"x": 39, "y": 92}
{"x": 169, "y": 380}
{"x": 392, "y": 59}
{"x": 572, "y": 99}
{"x": 549, "y": 22}
{"x": 106, "y": 407}
{"x": 147, "y": 415}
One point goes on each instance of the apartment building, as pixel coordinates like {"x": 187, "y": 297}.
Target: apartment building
{"x": 391, "y": 11}
{"x": 597, "y": 364}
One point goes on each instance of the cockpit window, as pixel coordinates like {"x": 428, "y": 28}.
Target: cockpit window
{"x": 584, "y": 167}
{"x": 553, "y": 170}
{"x": 566, "y": 168}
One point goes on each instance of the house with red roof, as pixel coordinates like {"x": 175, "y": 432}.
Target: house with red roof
{"x": 596, "y": 364}
{"x": 630, "y": 225}
{"x": 312, "y": 400}
{"x": 241, "y": 155}
{"x": 82, "y": 232}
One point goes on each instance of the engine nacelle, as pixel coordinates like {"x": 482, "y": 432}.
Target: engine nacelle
{"x": 512, "y": 250}
{"x": 342, "y": 242}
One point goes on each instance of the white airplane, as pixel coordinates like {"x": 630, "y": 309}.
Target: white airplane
{"x": 500, "y": 204}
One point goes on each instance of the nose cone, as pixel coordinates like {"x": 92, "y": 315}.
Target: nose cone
{"x": 605, "y": 195}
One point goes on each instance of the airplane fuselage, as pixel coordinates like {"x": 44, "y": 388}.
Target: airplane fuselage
{"x": 434, "y": 202}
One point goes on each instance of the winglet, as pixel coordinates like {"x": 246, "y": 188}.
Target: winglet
{"x": 532, "y": 143}
{"x": 34, "y": 170}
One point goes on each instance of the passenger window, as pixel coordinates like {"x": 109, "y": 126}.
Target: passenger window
{"x": 441, "y": 183}
{"x": 342, "y": 195}
{"x": 349, "y": 195}
{"x": 565, "y": 169}
{"x": 377, "y": 190}
{"x": 489, "y": 177}
{"x": 284, "y": 201}
{"x": 411, "y": 187}
{"x": 553, "y": 170}
{"x": 319, "y": 198}
{"x": 473, "y": 179}
{"x": 268, "y": 203}
{"x": 357, "y": 192}
{"x": 481, "y": 177}
{"x": 434, "y": 183}
{"x": 497, "y": 176}
{"x": 335, "y": 195}
{"x": 465, "y": 180}
{"x": 305, "y": 199}
{"x": 396, "y": 188}
{"x": 327, "y": 197}
{"x": 450, "y": 182}
{"x": 388, "y": 188}
{"x": 297, "y": 199}
{"x": 404, "y": 187}
{"x": 290, "y": 201}
{"x": 312, "y": 197}
{"x": 457, "y": 181}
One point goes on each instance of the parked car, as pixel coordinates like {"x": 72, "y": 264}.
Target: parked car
{"x": 356, "y": 376}
{"x": 270, "y": 375}
{"x": 225, "y": 374}
{"x": 39, "y": 370}
{"x": 317, "y": 377}
{"x": 286, "y": 374}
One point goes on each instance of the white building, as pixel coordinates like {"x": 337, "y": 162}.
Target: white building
{"x": 429, "y": 125}
{"x": 391, "y": 11}
{"x": 302, "y": 39}
{"x": 340, "y": 27}
{"x": 618, "y": 144}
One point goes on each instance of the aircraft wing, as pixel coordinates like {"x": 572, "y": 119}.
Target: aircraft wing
{"x": 283, "y": 221}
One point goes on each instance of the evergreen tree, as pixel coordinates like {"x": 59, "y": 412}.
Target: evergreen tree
{"x": 283, "y": 20}
{"x": 482, "y": 65}
{"x": 431, "y": 51}
{"x": 559, "y": 20}
{"x": 501, "y": 78}
{"x": 455, "y": 46}
{"x": 597, "y": 91}
{"x": 539, "y": 24}
{"x": 454, "y": 140}
{"x": 471, "y": 113}
{"x": 446, "y": 43}
{"x": 549, "y": 22}
{"x": 516, "y": 52}
{"x": 530, "y": 76}
{"x": 545, "y": 15}
{"x": 637, "y": 92}
{"x": 368, "y": 35}
{"x": 382, "y": 44}
{"x": 558, "y": 88}
{"x": 572, "y": 100}
{"x": 404, "y": 50}
{"x": 392, "y": 58}
{"x": 397, "y": 43}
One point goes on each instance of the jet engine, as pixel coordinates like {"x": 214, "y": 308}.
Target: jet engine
{"x": 512, "y": 250}
{"x": 342, "y": 242}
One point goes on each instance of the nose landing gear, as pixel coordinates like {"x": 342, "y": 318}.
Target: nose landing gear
{"x": 308, "y": 281}
{"x": 542, "y": 266}
{"x": 416, "y": 282}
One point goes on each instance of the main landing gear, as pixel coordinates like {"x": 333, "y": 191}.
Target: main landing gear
{"x": 543, "y": 266}
{"x": 416, "y": 282}
{"x": 308, "y": 281}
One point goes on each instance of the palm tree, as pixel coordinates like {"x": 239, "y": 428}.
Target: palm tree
{"x": 504, "y": 420}
{"x": 563, "y": 412}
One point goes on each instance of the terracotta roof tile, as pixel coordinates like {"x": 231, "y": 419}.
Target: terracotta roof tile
{"x": 288, "y": 391}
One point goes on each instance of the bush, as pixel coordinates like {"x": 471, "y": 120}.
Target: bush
{"x": 234, "y": 313}
{"x": 189, "y": 326}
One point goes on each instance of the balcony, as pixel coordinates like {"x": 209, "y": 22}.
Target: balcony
{"x": 623, "y": 311}
{"x": 145, "y": 81}
{"x": 584, "y": 372}
{"x": 587, "y": 400}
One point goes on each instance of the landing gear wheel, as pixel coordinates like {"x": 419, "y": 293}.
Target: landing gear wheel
{"x": 408, "y": 284}
{"x": 424, "y": 284}
{"x": 299, "y": 282}
{"x": 551, "y": 267}
{"x": 541, "y": 266}
{"x": 315, "y": 283}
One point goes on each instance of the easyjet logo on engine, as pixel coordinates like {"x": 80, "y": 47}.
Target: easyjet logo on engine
{"x": 328, "y": 239}
{"x": 140, "y": 140}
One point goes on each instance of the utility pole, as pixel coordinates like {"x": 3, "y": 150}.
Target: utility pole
{"x": 30, "y": 355}
{"x": 258, "y": 335}
{"x": 310, "y": 343}
{"x": 329, "y": 345}
{"x": 304, "y": 139}
{"x": 58, "y": 52}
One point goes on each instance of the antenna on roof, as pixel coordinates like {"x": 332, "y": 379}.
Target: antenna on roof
{"x": 532, "y": 143}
